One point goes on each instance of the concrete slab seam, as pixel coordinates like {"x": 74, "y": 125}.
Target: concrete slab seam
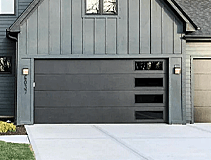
{"x": 204, "y": 130}
{"x": 31, "y": 141}
{"x": 122, "y": 143}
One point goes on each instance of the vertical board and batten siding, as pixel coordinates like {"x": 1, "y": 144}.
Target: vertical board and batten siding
{"x": 141, "y": 27}
{"x": 61, "y": 29}
{"x": 197, "y": 50}
{"x": 7, "y": 48}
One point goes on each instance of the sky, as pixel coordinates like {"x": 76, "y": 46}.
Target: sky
{"x": 6, "y": 6}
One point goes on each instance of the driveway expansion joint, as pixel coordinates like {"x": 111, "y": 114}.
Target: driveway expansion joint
{"x": 204, "y": 130}
{"x": 121, "y": 143}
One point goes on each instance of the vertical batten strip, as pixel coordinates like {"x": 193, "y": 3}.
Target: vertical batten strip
{"x": 60, "y": 27}
{"x": 37, "y": 30}
{"x": 150, "y": 26}
{"x": 82, "y": 36}
{"x": 106, "y": 27}
{"x": 139, "y": 27}
{"x": 27, "y": 38}
{"x": 162, "y": 27}
{"x": 94, "y": 36}
{"x": 48, "y": 26}
{"x": 71, "y": 36}
{"x": 173, "y": 35}
{"x": 128, "y": 26}
{"x": 117, "y": 34}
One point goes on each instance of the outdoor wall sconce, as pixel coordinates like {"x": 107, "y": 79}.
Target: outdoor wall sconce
{"x": 25, "y": 71}
{"x": 177, "y": 69}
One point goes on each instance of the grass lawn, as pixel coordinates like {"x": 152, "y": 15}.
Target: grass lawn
{"x": 15, "y": 151}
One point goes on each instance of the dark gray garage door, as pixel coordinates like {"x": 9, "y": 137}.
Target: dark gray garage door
{"x": 100, "y": 91}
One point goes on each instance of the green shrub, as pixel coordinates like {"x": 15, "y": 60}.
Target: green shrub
{"x": 5, "y": 127}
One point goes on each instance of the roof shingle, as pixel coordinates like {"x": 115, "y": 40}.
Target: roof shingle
{"x": 200, "y": 13}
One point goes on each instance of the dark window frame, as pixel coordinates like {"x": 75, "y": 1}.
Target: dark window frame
{"x": 101, "y": 9}
{"x": 9, "y": 71}
{"x": 10, "y": 14}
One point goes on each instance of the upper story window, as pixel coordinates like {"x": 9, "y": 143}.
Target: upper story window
{"x": 101, "y": 7}
{"x": 7, "y": 6}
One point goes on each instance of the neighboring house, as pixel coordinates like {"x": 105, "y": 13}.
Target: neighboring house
{"x": 9, "y": 12}
{"x": 198, "y": 62}
{"x": 107, "y": 61}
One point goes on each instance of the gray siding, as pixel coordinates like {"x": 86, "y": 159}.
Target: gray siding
{"x": 141, "y": 27}
{"x": 7, "y": 48}
{"x": 194, "y": 50}
{"x": 60, "y": 29}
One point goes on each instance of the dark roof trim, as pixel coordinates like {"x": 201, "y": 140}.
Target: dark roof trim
{"x": 15, "y": 27}
{"x": 198, "y": 38}
{"x": 190, "y": 25}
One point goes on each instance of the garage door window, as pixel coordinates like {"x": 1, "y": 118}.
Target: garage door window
{"x": 148, "y": 82}
{"x": 141, "y": 115}
{"x": 148, "y": 65}
{"x": 148, "y": 98}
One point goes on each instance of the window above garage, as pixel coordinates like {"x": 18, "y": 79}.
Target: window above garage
{"x": 101, "y": 7}
{"x": 7, "y": 7}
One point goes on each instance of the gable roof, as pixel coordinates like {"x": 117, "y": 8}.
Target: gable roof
{"x": 200, "y": 12}
{"x": 15, "y": 27}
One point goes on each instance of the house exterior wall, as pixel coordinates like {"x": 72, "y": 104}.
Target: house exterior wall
{"x": 194, "y": 50}
{"x": 8, "y": 48}
{"x": 142, "y": 29}
{"x": 65, "y": 28}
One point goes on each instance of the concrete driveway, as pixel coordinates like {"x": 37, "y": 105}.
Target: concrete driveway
{"x": 121, "y": 142}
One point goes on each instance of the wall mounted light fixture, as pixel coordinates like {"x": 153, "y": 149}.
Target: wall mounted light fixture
{"x": 177, "y": 69}
{"x": 25, "y": 71}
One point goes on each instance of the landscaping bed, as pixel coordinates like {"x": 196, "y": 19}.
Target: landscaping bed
{"x": 20, "y": 130}
{"x": 15, "y": 130}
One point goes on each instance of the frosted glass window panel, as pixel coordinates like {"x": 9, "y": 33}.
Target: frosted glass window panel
{"x": 109, "y": 7}
{"x": 7, "y": 6}
{"x": 92, "y": 6}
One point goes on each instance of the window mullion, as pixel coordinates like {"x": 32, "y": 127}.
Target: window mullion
{"x": 101, "y": 6}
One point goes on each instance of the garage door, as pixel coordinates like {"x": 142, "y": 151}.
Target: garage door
{"x": 202, "y": 90}
{"x": 100, "y": 91}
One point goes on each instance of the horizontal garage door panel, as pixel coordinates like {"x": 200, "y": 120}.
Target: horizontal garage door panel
{"x": 106, "y": 82}
{"x": 89, "y": 98}
{"x": 202, "y": 66}
{"x": 202, "y": 114}
{"x": 202, "y": 82}
{"x": 202, "y": 98}
{"x": 87, "y": 115}
{"x": 85, "y": 67}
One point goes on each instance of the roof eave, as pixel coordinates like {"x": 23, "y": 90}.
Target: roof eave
{"x": 190, "y": 26}
{"x": 198, "y": 38}
{"x": 15, "y": 27}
